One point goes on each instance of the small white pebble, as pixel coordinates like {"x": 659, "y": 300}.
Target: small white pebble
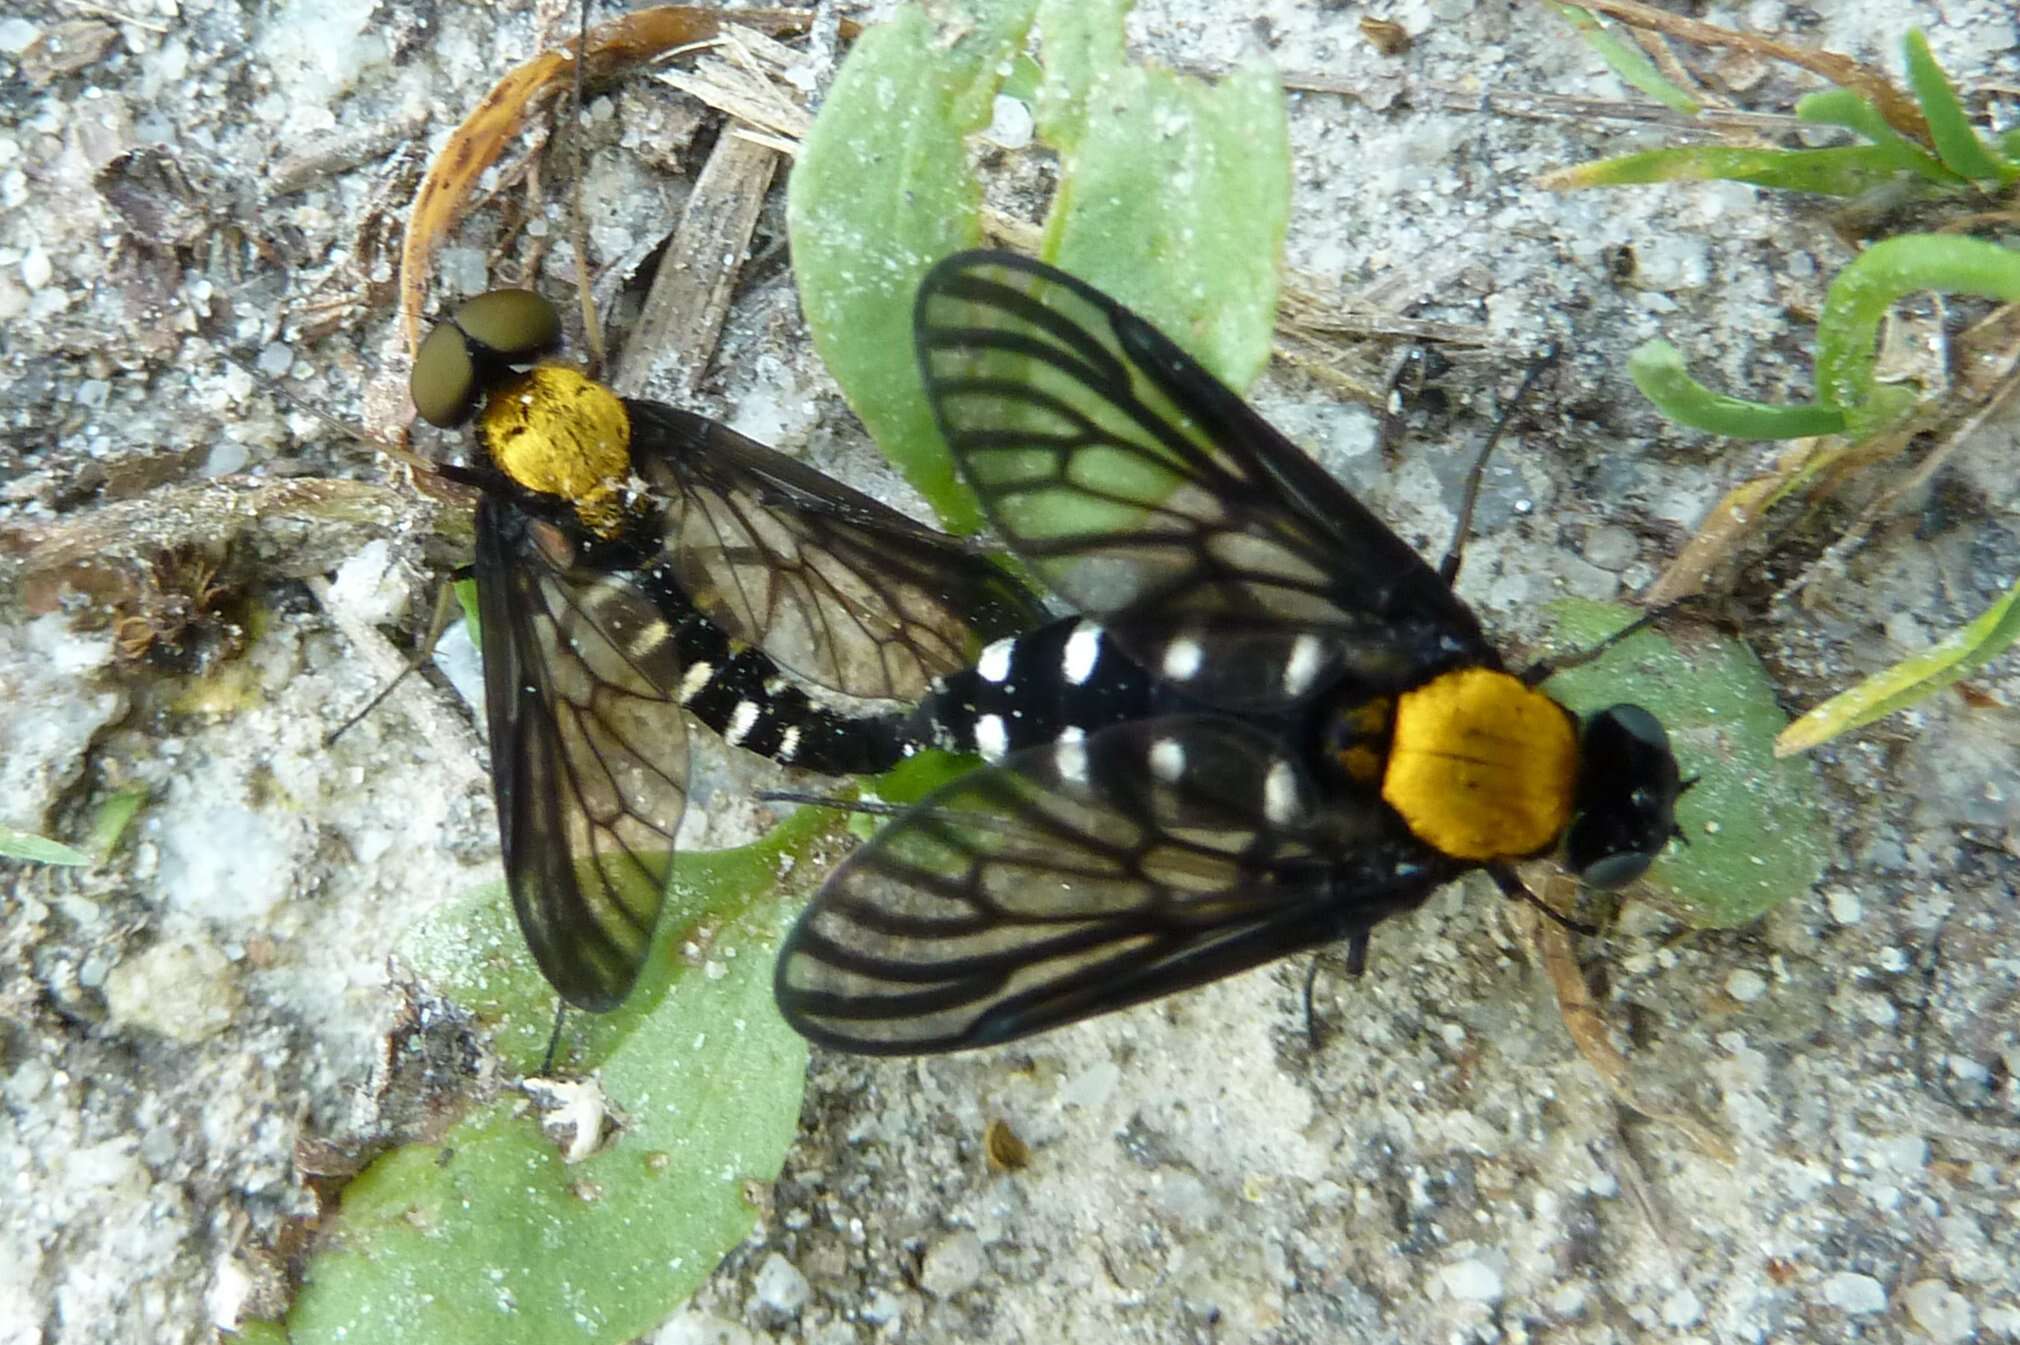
{"x": 1855, "y": 1295}
{"x": 1939, "y": 1310}
{"x": 17, "y": 35}
{"x": 780, "y": 1288}
{"x": 1092, "y": 1087}
{"x": 952, "y": 1264}
{"x": 2002, "y": 1321}
{"x": 276, "y": 358}
{"x": 1682, "y": 1309}
{"x": 1011, "y": 123}
{"x": 1967, "y": 1069}
{"x": 1472, "y": 1281}
{"x": 1746, "y": 986}
{"x": 1902, "y": 1153}
{"x": 1844, "y": 907}
{"x": 881, "y": 1306}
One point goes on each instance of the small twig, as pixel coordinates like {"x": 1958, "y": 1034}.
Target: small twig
{"x": 683, "y": 315}
{"x": 85, "y": 6}
{"x": 1587, "y": 1027}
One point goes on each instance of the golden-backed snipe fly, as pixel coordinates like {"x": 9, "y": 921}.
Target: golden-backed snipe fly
{"x": 636, "y": 563}
{"x": 1272, "y": 726}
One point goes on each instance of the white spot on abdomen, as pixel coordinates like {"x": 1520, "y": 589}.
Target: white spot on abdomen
{"x": 1167, "y": 760}
{"x": 693, "y": 680}
{"x": 994, "y": 665}
{"x": 992, "y": 737}
{"x": 1069, "y": 758}
{"x": 741, "y": 721}
{"x": 1083, "y": 651}
{"x": 650, "y": 637}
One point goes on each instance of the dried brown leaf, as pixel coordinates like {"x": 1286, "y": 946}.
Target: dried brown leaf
{"x": 611, "y": 47}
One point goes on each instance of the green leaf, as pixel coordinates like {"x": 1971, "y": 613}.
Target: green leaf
{"x": 1842, "y": 107}
{"x": 486, "y": 1235}
{"x": 1838, "y": 170}
{"x": 1657, "y": 368}
{"x": 1755, "y": 835}
{"x": 880, "y": 191}
{"x": 1956, "y": 143}
{"x": 1023, "y": 80}
{"x": 466, "y": 598}
{"x": 1913, "y": 679}
{"x": 113, "y": 816}
{"x": 471, "y": 950}
{"x": 1627, "y": 61}
{"x": 1174, "y": 195}
{"x": 38, "y": 849}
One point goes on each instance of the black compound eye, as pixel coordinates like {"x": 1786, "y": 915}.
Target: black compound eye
{"x": 1627, "y": 790}
{"x": 514, "y": 325}
{"x": 1605, "y": 870}
{"x": 1637, "y": 724}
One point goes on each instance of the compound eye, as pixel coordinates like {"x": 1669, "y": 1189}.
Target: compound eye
{"x": 514, "y": 325}
{"x": 1638, "y": 724}
{"x": 444, "y": 382}
{"x": 1607, "y": 872}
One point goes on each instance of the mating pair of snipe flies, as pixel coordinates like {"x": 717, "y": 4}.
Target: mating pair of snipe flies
{"x": 1268, "y": 724}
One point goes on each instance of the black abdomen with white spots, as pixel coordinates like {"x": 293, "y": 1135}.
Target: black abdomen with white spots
{"x": 1056, "y": 684}
{"x": 740, "y": 693}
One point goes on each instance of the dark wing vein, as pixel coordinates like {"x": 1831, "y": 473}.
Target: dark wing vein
{"x": 832, "y": 585}
{"x": 589, "y": 756}
{"x": 1069, "y": 882}
{"x": 1150, "y": 495}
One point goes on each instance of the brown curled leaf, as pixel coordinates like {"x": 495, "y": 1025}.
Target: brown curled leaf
{"x": 617, "y": 45}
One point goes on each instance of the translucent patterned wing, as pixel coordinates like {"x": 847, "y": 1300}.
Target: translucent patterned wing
{"x": 834, "y": 586}
{"x": 1138, "y": 485}
{"x": 588, "y": 753}
{"x": 1076, "y": 879}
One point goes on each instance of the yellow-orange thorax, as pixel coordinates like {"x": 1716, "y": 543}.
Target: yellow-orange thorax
{"x": 1482, "y": 767}
{"x": 555, "y": 431}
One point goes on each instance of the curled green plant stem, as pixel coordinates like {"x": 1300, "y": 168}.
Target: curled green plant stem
{"x": 1657, "y": 368}
{"x": 1949, "y": 127}
{"x": 1872, "y": 283}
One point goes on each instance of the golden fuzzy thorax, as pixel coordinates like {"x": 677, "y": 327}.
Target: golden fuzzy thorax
{"x": 557, "y": 432}
{"x": 1482, "y": 767}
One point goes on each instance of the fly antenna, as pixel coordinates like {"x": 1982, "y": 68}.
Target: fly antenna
{"x": 1513, "y": 887}
{"x": 436, "y": 625}
{"x": 393, "y": 449}
{"x": 871, "y": 807}
{"x": 1448, "y": 568}
{"x": 1544, "y": 669}
{"x": 592, "y": 330}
